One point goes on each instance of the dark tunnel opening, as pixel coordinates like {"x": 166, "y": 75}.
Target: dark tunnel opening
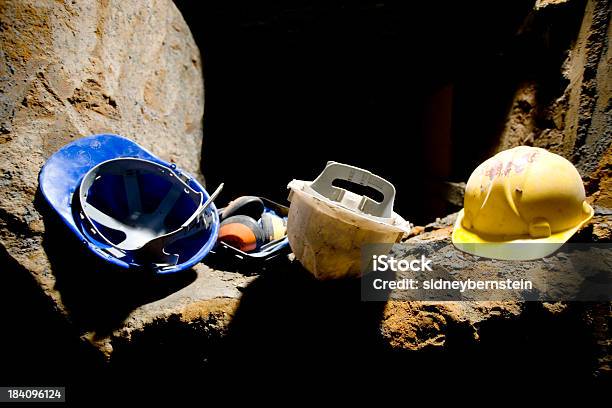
{"x": 416, "y": 93}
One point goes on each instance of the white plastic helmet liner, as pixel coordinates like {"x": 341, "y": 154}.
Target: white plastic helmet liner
{"x": 323, "y": 186}
{"x": 146, "y": 234}
{"x": 327, "y": 226}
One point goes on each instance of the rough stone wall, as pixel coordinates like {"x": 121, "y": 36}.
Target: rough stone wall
{"x": 132, "y": 67}
{"x": 574, "y": 120}
{"x": 71, "y": 69}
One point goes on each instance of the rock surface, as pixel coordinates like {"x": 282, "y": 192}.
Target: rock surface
{"x": 76, "y": 69}
{"x": 571, "y": 115}
{"x": 471, "y": 313}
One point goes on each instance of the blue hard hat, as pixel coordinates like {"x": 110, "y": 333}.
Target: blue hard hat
{"x": 129, "y": 207}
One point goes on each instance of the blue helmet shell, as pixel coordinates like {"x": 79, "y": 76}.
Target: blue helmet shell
{"x": 61, "y": 176}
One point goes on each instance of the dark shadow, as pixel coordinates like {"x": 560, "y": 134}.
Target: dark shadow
{"x": 97, "y": 294}
{"x": 291, "y": 85}
{"x": 288, "y": 319}
{"x": 38, "y": 345}
{"x": 291, "y": 326}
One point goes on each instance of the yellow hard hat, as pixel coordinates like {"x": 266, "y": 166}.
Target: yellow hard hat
{"x": 524, "y": 195}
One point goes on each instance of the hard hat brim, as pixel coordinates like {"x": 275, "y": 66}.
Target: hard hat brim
{"x": 521, "y": 248}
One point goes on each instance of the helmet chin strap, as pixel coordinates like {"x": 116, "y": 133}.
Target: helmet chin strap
{"x": 143, "y": 236}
